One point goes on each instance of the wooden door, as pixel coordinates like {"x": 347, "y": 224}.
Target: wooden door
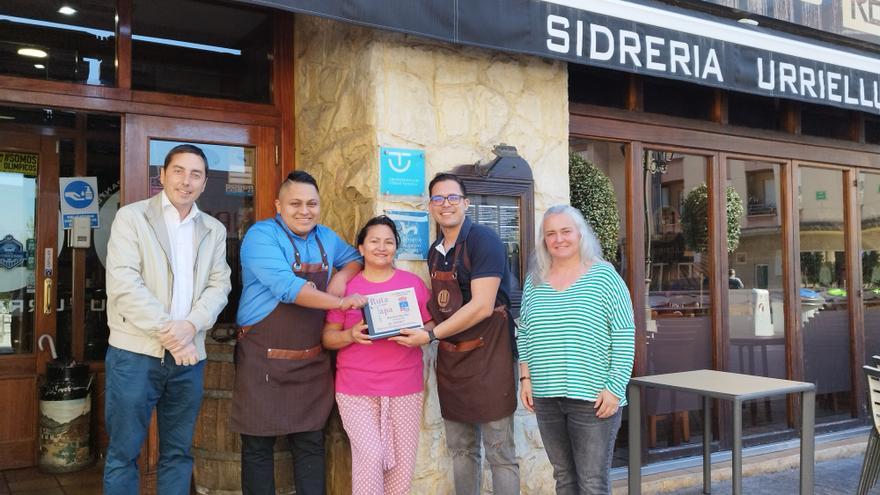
{"x": 28, "y": 276}
{"x": 243, "y": 179}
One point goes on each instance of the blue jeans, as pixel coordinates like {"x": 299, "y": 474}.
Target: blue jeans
{"x": 135, "y": 384}
{"x": 579, "y": 445}
{"x": 463, "y": 441}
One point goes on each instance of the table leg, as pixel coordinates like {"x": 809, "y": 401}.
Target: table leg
{"x": 737, "y": 448}
{"x": 707, "y": 445}
{"x": 808, "y": 441}
{"x": 635, "y": 440}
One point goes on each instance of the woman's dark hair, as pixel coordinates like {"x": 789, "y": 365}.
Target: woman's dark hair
{"x": 186, "y": 148}
{"x": 443, "y": 176}
{"x": 302, "y": 176}
{"x": 380, "y": 220}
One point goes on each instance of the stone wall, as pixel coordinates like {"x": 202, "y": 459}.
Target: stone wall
{"x": 358, "y": 89}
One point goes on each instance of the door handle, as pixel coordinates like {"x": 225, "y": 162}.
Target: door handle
{"x": 47, "y": 296}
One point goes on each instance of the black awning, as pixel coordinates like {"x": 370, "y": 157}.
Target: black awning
{"x": 642, "y": 37}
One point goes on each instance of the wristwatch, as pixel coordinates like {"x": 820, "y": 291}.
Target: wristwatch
{"x": 431, "y": 336}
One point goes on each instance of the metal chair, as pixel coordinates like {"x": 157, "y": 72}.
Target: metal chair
{"x": 871, "y": 465}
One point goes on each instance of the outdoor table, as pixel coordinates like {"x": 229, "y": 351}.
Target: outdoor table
{"x": 729, "y": 386}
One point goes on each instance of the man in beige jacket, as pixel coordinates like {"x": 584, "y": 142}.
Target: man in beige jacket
{"x": 167, "y": 280}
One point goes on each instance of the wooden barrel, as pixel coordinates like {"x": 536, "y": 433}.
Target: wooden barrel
{"x": 216, "y": 449}
{"x": 337, "y": 455}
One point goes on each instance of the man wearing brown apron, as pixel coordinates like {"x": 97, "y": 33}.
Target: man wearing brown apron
{"x": 470, "y": 280}
{"x": 283, "y": 381}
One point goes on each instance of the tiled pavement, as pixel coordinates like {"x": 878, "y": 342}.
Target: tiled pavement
{"x": 837, "y": 473}
{"x": 834, "y": 477}
{"x": 30, "y": 481}
{"x": 838, "y": 463}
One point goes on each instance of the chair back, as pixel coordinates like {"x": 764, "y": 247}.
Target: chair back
{"x": 873, "y": 381}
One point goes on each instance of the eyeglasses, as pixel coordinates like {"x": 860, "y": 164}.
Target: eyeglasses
{"x": 453, "y": 199}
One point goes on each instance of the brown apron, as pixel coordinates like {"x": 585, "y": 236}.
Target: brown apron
{"x": 475, "y": 381}
{"x": 283, "y": 379}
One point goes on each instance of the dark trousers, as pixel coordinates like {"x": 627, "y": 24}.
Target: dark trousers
{"x": 578, "y": 444}
{"x": 258, "y": 463}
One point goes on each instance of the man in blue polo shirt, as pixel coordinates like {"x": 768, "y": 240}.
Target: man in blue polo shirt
{"x": 470, "y": 283}
{"x": 283, "y": 380}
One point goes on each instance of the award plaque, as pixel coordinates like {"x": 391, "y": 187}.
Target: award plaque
{"x": 387, "y": 313}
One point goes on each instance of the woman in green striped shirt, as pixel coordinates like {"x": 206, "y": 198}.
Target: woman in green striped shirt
{"x": 576, "y": 351}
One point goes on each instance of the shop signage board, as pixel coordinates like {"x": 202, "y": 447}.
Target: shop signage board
{"x": 401, "y": 171}
{"x": 638, "y": 36}
{"x": 19, "y": 163}
{"x": 79, "y": 198}
{"x": 412, "y": 226}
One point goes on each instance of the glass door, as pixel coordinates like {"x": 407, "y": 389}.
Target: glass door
{"x": 243, "y": 180}
{"x": 679, "y": 321}
{"x": 755, "y": 281}
{"x": 28, "y": 278}
{"x": 869, "y": 203}
{"x": 824, "y": 318}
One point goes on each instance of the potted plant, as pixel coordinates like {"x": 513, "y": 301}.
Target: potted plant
{"x": 593, "y": 194}
{"x": 695, "y": 214}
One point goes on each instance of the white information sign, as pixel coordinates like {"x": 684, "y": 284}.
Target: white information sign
{"x": 79, "y": 197}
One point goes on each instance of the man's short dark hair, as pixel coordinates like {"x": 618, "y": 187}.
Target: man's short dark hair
{"x": 380, "y": 220}
{"x": 442, "y": 177}
{"x": 301, "y": 176}
{"x": 186, "y": 148}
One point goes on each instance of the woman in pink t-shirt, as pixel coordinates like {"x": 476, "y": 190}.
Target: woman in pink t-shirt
{"x": 379, "y": 383}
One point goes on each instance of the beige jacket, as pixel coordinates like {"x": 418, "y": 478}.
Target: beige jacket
{"x": 139, "y": 278}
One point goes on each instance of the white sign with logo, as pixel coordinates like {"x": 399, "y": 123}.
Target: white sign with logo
{"x": 79, "y": 197}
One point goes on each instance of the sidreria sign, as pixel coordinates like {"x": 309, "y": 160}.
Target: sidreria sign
{"x": 644, "y": 37}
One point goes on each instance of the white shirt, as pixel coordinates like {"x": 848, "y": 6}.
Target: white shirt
{"x": 181, "y": 237}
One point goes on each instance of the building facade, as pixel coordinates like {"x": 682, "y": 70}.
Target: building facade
{"x": 688, "y": 107}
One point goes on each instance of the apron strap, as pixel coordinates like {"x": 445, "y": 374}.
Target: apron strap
{"x": 297, "y": 265}
{"x": 436, "y": 256}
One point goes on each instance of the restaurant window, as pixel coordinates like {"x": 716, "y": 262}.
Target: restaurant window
{"x": 679, "y": 324}
{"x": 228, "y": 197}
{"x": 872, "y": 131}
{"x": 102, "y": 158}
{"x": 607, "y": 88}
{"x": 677, "y": 99}
{"x": 761, "y": 191}
{"x": 824, "y": 318}
{"x": 869, "y": 198}
{"x": 54, "y": 41}
{"x": 754, "y": 111}
{"x": 756, "y": 293}
{"x": 609, "y": 160}
{"x": 205, "y": 49}
{"x": 824, "y": 121}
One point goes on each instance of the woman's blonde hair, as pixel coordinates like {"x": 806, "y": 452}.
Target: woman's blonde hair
{"x": 590, "y": 249}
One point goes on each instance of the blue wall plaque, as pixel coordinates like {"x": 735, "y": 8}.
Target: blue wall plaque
{"x": 401, "y": 171}
{"x": 413, "y": 229}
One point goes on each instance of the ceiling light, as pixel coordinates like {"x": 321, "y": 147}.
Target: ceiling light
{"x": 32, "y": 52}
{"x": 750, "y": 22}
{"x": 39, "y": 66}
{"x": 67, "y": 10}
{"x": 7, "y": 117}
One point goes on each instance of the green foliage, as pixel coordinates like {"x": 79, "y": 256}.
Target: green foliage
{"x": 593, "y": 194}
{"x": 695, "y": 215}
{"x": 811, "y": 265}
